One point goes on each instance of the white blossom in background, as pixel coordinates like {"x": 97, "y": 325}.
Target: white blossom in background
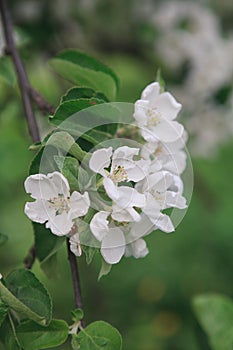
{"x": 190, "y": 34}
{"x": 53, "y": 203}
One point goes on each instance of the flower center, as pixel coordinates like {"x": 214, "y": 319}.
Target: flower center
{"x": 60, "y": 204}
{"x": 118, "y": 174}
{"x": 154, "y": 117}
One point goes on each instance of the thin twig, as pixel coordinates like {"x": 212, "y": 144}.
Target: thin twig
{"x": 20, "y": 71}
{"x": 42, "y": 104}
{"x": 75, "y": 279}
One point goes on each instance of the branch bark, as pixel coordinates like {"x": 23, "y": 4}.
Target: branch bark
{"x": 20, "y": 71}
{"x": 75, "y": 279}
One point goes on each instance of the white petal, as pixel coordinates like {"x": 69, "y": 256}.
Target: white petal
{"x": 176, "y": 163}
{"x": 124, "y": 215}
{"x": 159, "y": 181}
{"x": 167, "y": 106}
{"x": 79, "y": 204}
{"x": 137, "y": 249}
{"x": 140, "y": 229}
{"x": 37, "y": 211}
{"x": 139, "y": 171}
{"x": 100, "y": 160}
{"x": 99, "y": 225}
{"x": 113, "y": 246}
{"x": 175, "y": 200}
{"x": 110, "y": 188}
{"x": 164, "y": 223}
{"x": 75, "y": 246}
{"x": 124, "y": 156}
{"x": 60, "y": 224}
{"x": 151, "y": 92}
{"x": 40, "y": 186}
{"x": 140, "y": 109}
{"x": 129, "y": 197}
{"x": 60, "y": 182}
{"x": 167, "y": 131}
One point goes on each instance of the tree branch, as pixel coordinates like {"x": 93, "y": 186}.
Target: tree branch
{"x": 75, "y": 279}
{"x": 20, "y": 71}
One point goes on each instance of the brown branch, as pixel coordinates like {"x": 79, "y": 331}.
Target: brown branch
{"x": 20, "y": 71}
{"x": 75, "y": 279}
{"x": 42, "y": 104}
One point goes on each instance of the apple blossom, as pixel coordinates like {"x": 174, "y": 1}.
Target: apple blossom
{"x": 53, "y": 203}
{"x": 155, "y": 113}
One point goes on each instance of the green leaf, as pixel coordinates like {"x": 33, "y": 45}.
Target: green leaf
{"x": 46, "y": 245}
{"x": 35, "y": 337}
{"x": 77, "y": 93}
{"x": 69, "y": 167}
{"x": 89, "y": 119}
{"x": 89, "y": 253}
{"x": 99, "y": 335}
{"x": 43, "y": 162}
{"x": 82, "y": 69}
{"x": 77, "y": 315}
{"x": 7, "y": 72}
{"x": 3, "y": 311}
{"x": 3, "y": 239}
{"x": 215, "y": 314}
{"x": 25, "y": 294}
{"x": 69, "y": 108}
{"x": 105, "y": 269}
{"x": 8, "y": 335}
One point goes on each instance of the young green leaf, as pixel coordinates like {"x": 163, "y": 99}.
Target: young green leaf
{"x": 105, "y": 269}
{"x": 89, "y": 253}
{"x": 99, "y": 335}
{"x": 25, "y": 294}
{"x": 35, "y": 337}
{"x": 82, "y": 69}
{"x": 215, "y": 314}
{"x": 77, "y": 315}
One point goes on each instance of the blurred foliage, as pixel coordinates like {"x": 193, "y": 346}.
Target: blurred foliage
{"x": 148, "y": 300}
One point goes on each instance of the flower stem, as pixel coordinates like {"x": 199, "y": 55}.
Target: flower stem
{"x": 75, "y": 279}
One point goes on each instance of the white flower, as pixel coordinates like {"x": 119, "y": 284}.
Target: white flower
{"x": 124, "y": 200}
{"x": 155, "y": 114}
{"x": 163, "y": 190}
{"x": 166, "y": 156}
{"x": 112, "y": 238}
{"x": 123, "y": 166}
{"x": 53, "y": 203}
{"x": 75, "y": 246}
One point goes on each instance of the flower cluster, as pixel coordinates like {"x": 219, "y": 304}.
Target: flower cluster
{"x": 135, "y": 185}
